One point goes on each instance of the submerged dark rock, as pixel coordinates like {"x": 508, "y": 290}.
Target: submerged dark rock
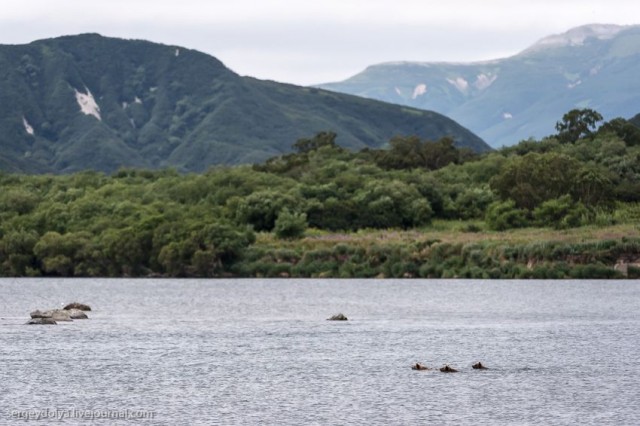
{"x": 338, "y": 317}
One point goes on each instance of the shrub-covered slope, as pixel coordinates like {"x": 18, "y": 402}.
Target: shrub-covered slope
{"x": 91, "y": 102}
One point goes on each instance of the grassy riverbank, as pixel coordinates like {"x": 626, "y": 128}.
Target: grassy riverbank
{"x": 447, "y": 250}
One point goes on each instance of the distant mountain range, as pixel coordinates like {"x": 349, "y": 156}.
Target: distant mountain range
{"x": 508, "y": 100}
{"x": 92, "y": 102}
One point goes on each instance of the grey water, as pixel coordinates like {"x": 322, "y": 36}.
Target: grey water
{"x": 203, "y": 352}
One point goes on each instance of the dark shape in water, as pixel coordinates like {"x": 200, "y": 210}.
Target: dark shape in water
{"x": 76, "y": 305}
{"x": 479, "y": 366}
{"x": 447, "y": 369}
{"x": 418, "y": 366}
{"x": 337, "y": 317}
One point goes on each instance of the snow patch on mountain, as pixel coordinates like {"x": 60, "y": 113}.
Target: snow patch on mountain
{"x": 419, "y": 90}
{"x": 27, "y": 127}
{"x": 459, "y": 83}
{"x": 574, "y": 84}
{"x": 87, "y": 103}
{"x": 483, "y": 81}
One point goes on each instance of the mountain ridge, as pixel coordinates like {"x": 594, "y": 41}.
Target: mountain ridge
{"x": 510, "y": 99}
{"x": 93, "y": 102}
{"x": 577, "y": 36}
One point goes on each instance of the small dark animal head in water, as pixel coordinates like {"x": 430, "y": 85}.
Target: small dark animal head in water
{"x": 447, "y": 369}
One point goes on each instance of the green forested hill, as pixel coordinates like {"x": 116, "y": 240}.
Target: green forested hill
{"x": 91, "y": 102}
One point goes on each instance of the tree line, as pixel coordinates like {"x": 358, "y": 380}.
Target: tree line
{"x": 159, "y": 222}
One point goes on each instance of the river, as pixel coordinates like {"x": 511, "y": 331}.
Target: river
{"x": 203, "y": 352}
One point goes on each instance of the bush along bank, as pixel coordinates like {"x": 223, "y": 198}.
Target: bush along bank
{"x": 434, "y": 259}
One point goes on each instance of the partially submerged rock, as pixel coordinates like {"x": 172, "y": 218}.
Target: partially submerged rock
{"x": 42, "y": 321}
{"x": 338, "y": 317}
{"x": 39, "y": 314}
{"x": 54, "y": 314}
{"x": 76, "y": 305}
{"x": 447, "y": 369}
{"x": 77, "y": 314}
{"x": 479, "y": 366}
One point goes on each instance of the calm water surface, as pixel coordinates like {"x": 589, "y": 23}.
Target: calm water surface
{"x": 250, "y": 352}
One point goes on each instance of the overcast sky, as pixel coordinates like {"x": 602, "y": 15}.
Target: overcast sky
{"x": 316, "y": 41}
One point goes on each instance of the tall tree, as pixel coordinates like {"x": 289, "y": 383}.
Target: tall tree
{"x": 577, "y": 124}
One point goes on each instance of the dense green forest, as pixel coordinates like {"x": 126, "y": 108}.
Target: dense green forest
{"x": 564, "y": 206}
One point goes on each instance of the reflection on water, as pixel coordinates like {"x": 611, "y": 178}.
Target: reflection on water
{"x": 261, "y": 351}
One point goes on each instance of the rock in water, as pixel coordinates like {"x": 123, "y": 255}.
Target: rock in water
{"x": 41, "y": 321}
{"x": 338, "y": 317}
{"x": 54, "y": 314}
{"x": 77, "y": 314}
{"x": 76, "y": 305}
